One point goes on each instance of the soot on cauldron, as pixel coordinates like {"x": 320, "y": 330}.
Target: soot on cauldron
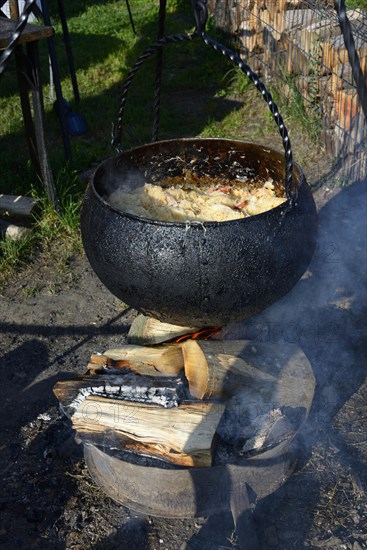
{"x": 199, "y": 274}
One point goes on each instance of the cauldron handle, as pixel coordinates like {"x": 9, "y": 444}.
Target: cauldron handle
{"x": 234, "y": 57}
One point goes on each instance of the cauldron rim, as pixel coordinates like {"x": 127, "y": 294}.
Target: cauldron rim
{"x": 285, "y": 206}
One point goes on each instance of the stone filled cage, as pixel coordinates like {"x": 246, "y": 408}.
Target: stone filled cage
{"x": 298, "y": 45}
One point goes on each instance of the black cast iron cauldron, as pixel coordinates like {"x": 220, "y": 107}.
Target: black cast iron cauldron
{"x": 198, "y": 274}
{"x": 203, "y": 274}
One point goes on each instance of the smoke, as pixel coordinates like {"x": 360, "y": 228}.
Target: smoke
{"x": 325, "y": 313}
{"x": 113, "y": 178}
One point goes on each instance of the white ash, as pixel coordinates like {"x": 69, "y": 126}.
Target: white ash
{"x": 167, "y": 397}
{"x": 259, "y": 431}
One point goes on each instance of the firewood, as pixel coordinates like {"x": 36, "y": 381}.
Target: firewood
{"x": 149, "y": 332}
{"x": 112, "y": 440}
{"x": 167, "y": 392}
{"x": 215, "y": 370}
{"x": 101, "y": 363}
{"x": 292, "y": 19}
{"x": 182, "y": 434}
{"x": 334, "y": 51}
{"x": 250, "y": 385}
{"x": 196, "y": 368}
{"x": 165, "y": 360}
{"x": 311, "y": 37}
{"x": 297, "y": 62}
{"x": 342, "y": 77}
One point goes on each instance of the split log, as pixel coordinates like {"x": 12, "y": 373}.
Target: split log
{"x": 165, "y": 360}
{"x": 147, "y": 331}
{"x": 346, "y": 106}
{"x": 311, "y": 37}
{"x": 297, "y": 61}
{"x": 293, "y": 19}
{"x": 182, "y": 435}
{"x": 255, "y": 27}
{"x": 214, "y": 374}
{"x": 157, "y": 416}
{"x": 334, "y": 51}
{"x": 166, "y": 392}
{"x": 342, "y": 77}
{"x": 245, "y": 34}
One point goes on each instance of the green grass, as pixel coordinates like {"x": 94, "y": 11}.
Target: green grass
{"x": 356, "y": 4}
{"x": 105, "y": 49}
{"x": 197, "y": 99}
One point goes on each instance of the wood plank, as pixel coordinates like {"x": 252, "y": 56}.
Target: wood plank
{"x": 30, "y": 33}
{"x": 17, "y": 207}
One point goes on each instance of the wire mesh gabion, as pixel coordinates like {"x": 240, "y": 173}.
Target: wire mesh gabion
{"x": 298, "y": 45}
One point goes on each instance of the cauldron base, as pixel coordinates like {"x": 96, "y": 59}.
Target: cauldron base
{"x": 184, "y": 494}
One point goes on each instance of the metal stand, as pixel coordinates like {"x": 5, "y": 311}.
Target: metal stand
{"x": 158, "y": 71}
{"x": 358, "y": 76}
{"x": 15, "y": 33}
{"x": 57, "y": 82}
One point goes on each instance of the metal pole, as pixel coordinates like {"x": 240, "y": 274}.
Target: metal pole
{"x": 352, "y": 54}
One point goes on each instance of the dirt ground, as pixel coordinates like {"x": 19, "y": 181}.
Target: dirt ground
{"x": 55, "y": 314}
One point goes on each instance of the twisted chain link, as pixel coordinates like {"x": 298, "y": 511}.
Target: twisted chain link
{"x": 201, "y": 15}
{"x": 116, "y": 136}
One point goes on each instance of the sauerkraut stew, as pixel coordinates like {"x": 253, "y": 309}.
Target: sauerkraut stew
{"x": 208, "y": 202}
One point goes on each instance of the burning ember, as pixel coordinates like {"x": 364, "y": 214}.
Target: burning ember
{"x": 203, "y": 334}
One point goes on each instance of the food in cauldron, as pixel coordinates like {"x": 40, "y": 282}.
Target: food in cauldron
{"x": 184, "y": 201}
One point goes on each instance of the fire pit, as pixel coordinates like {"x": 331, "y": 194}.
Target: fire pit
{"x": 168, "y": 436}
{"x": 188, "y": 492}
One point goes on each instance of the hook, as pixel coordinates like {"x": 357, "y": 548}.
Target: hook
{"x": 200, "y": 14}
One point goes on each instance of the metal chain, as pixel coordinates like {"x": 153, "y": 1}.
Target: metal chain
{"x": 158, "y": 71}
{"x": 201, "y": 14}
{"x": 116, "y": 136}
{"x": 12, "y": 44}
{"x": 270, "y": 102}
